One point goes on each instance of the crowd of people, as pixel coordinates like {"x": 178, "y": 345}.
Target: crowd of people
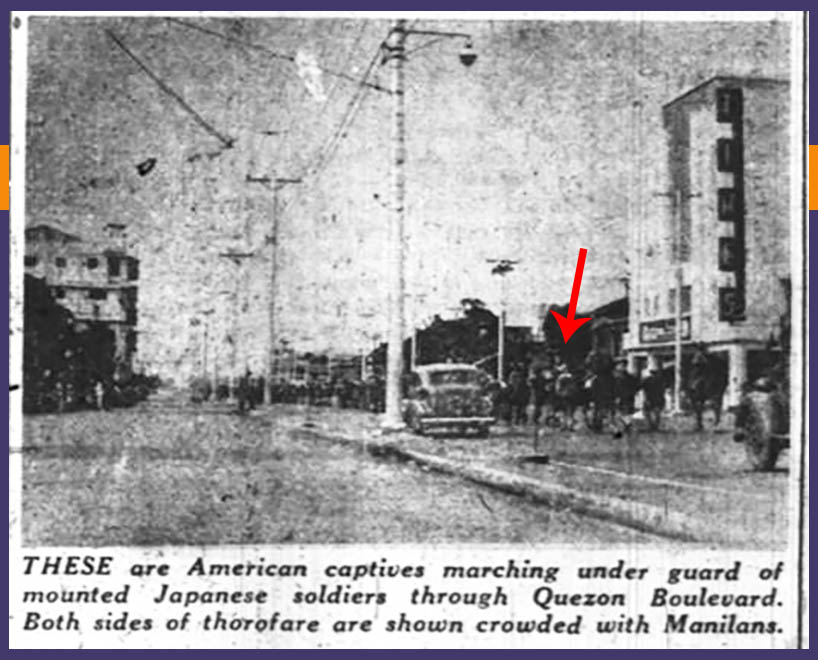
{"x": 602, "y": 391}
{"x": 340, "y": 392}
{"x": 70, "y": 390}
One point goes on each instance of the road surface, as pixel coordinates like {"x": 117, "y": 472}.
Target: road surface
{"x": 175, "y": 473}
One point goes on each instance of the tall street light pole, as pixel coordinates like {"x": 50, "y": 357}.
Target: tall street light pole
{"x": 502, "y": 267}
{"x": 394, "y": 56}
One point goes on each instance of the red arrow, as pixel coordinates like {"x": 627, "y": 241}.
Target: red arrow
{"x": 570, "y": 325}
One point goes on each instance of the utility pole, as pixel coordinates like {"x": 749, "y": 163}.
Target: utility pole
{"x": 677, "y": 198}
{"x": 415, "y": 349}
{"x": 677, "y": 229}
{"x": 394, "y": 56}
{"x": 278, "y": 184}
{"x": 236, "y": 258}
{"x": 206, "y": 314}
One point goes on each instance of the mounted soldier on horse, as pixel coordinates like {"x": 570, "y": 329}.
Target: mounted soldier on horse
{"x": 707, "y": 384}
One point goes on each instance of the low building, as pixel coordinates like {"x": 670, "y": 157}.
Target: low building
{"x": 609, "y": 325}
{"x": 725, "y": 223}
{"x": 97, "y": 283}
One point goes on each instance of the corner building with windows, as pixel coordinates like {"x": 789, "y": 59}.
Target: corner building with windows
{"x": 96, "y": 283}
{"x": 726, "y": 218}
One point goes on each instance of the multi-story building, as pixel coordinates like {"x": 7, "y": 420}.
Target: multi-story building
{"x": 725, "y": 223}
{"x": 96, "y": 283}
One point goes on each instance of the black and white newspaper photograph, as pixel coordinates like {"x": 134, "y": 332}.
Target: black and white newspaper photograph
{"x": 408, "y": 330}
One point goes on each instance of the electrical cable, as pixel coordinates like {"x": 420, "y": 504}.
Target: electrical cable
{"x": 227, "y": 142}
{"x": 266, "y": 50}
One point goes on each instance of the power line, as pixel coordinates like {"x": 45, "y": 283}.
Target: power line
{"x": 328, "y": 149}
{"x": 331, "y": 145}
{"x": 333, "y": 90}
{"x": 267, "y": 51}
{"x": 227, "y": 142}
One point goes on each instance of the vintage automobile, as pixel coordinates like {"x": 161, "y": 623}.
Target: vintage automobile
{"x": 448, "y": 397}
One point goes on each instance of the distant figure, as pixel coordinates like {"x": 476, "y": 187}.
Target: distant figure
{"x": 99, "y": 395}
{"x": 599, "y": 367}
{"x": 568, "y": 395}
{"x": 539, "y": 387}
{"x": 244, "y": 393}
{"x": 519, "y": 395}
{"x": 654, "y": 390}
{"x": 626, "y": 385}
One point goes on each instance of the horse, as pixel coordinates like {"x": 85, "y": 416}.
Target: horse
{"x": 598, "y": 400}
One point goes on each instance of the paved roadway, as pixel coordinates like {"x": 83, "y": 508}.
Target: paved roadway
{"x": 167, "y": 472}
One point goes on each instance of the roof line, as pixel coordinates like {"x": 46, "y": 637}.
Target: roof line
{"x": 746, "y": 79}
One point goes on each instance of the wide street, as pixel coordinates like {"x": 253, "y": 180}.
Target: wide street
{"x": 174, "y": 473}
{"x": 171, "y": 472}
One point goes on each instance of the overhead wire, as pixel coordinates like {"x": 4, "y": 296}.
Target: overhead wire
{"x": 327, "y": 152}
{"x": 227, "y": 142}
{"x": 333, "y": 90}
{"x": 330, "y": 146}
{"x": 264, "y": 49}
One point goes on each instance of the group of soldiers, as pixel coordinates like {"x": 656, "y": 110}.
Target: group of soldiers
{"x": 606, "y": 392}
{"x": 602, "y": 388}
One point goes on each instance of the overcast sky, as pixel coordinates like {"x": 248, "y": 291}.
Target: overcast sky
{"x": 528, "y": 154}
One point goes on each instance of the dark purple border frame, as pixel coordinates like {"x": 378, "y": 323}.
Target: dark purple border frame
{"x": 331, "y": 5}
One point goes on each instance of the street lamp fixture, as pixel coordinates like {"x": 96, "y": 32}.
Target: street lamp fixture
{"x": 467, "y": 54}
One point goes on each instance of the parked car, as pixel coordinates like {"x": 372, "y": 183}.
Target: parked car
{"x": 448, "y": 397}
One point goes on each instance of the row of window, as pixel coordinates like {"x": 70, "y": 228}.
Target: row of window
{"x": 92, "y": 263}
{"x": 93, "y": 294}
{"x": 653, "y": 306}
{"x": 730, "y": 159}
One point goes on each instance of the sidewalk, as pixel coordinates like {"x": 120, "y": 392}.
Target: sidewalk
{"x": 680, "y": 484}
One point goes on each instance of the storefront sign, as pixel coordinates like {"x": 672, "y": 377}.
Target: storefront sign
{"x": 664, "y": 330}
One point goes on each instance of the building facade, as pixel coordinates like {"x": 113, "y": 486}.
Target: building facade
{"x": 97, "y": 284}
{"x": 725, "y": 222}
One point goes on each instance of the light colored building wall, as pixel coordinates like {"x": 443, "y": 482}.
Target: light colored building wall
{"x": 695, "y": 173}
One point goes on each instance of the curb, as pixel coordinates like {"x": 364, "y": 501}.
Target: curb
{"x": 629, "y": 513}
